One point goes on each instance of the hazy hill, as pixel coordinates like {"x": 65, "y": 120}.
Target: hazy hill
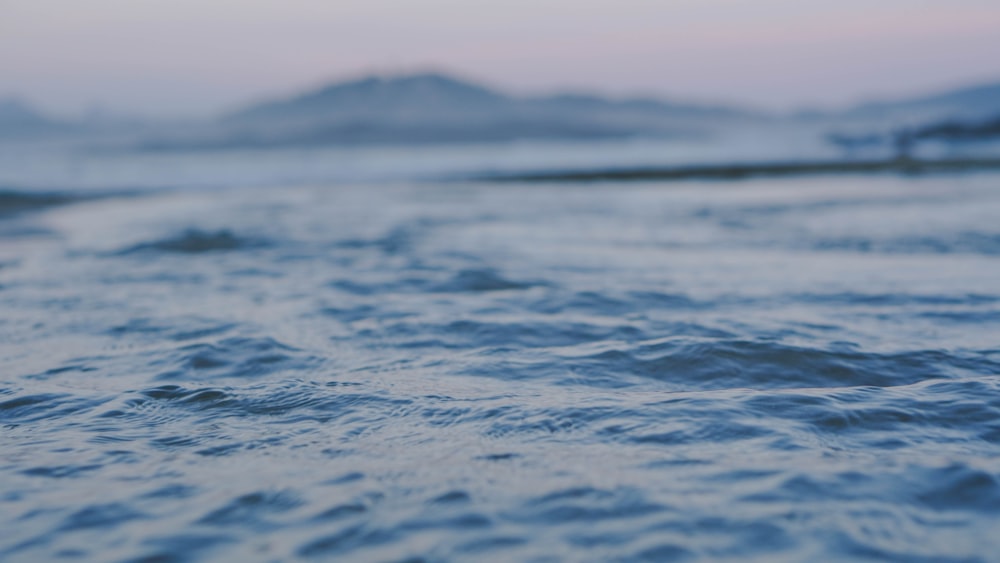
{"x": 441, "y": 96}
{"x": 955, "y": 116}
{"x": 972, "y": 102}
{"x": 377, "y": 97}
{"x": 19, "y": 119}
{"x": 434, "y": 108}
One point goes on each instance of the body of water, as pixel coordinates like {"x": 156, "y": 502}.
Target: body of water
{"x": 800, "y": 369}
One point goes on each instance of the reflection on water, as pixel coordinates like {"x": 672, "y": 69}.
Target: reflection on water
{"x": 799, "y": 369}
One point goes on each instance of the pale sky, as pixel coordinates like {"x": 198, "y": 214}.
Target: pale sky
{"x": 196, "y": 57}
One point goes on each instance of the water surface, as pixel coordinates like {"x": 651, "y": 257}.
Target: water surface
{"x": 795, "y": 369}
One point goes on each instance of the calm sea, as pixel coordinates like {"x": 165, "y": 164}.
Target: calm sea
{"x": 275, "y": 368}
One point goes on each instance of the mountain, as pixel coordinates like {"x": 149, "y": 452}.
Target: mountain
{"x": 959, "y": 131}
{"x": 647, "y": 106}
{"x": 435, "y": 108}
{"x": 19, "y": 119}
{"x": 964, "y": 103}
{"x": 380, "y": 97}
{"x": 959, "y": 116}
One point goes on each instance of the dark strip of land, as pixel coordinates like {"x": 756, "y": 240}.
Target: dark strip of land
{"x": 753, "y": 170}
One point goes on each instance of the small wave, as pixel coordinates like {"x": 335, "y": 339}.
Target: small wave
{"x": 878, "y": 417}
{"x": 585, "y": 504}
{"x": 956, "y": 487}
{"x": 896, "y": 299}
{"x": 178, "y": 329}
{"x": 398, "y": 241}
{"x": 987, "y": 244}
{"x": 500, "y": 333}
{"x": 253, "y": 510}
{"x": 15, "y": 202}
{"x": 722, "y": 364}
{"x": 293, "y": 399}
{"x": 238, "y": 357}
{"x": 959, "y": 487}
{"x": 471, "y": 280}
{"x": 100, "y": 516}
{"x": 478, "y": 280}
{"x": 32, "y": 408}
{"x": 610, "y": 303}
{"x": 196, "y": 241}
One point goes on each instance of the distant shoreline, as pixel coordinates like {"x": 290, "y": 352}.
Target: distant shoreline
{"x": 740, "y": 171}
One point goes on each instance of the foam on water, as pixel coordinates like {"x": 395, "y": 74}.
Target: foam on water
{"x": 771, "y": 370}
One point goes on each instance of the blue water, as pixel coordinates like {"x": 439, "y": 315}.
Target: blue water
{"x": 776, "y": 370}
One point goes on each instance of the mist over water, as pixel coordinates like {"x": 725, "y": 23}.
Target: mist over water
{"x": 794, "y": 369}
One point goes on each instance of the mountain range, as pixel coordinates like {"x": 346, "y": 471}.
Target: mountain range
{"x": 438, "y": 95}
{"x": 437, "y": 108}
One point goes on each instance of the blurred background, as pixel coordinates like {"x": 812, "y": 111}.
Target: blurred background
{"x": 544, "y": 85}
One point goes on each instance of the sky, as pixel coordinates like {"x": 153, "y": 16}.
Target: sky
{"x": 199, "y": 57}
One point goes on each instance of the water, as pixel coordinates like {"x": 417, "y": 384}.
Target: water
{"x": 65, "y": 164}
{"x": 773, "y": 370}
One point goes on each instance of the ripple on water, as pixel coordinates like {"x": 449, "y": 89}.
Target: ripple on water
{"x": 479, "y": 280}
{"x": 196, "y": 241}
{"x": 970, "y": 242}
{"x": 703, "y": 364}
{"x": 526, "y": 374}
{"x": 13, "y": 202}
{"x": 236, "y": 357}
{"x": 177, "y": 329}
{"x": 38, "y": 407}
